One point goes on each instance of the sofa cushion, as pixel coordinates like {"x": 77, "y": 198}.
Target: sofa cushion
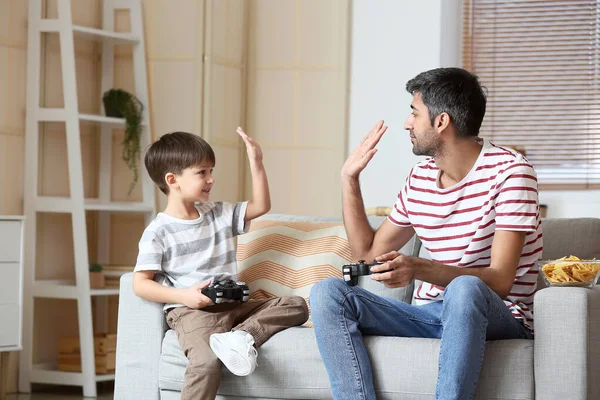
{"x": 286, "y": 258}
{"x": 286, "y": 255}
{"x": 290, "y": 366}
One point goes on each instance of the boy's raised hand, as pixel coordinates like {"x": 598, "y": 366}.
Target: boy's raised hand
{"x": 193, "y": 297}
{"x": 252, "y": 147}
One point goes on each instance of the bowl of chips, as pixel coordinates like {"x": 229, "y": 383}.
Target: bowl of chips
{"x": 570, "y": 271}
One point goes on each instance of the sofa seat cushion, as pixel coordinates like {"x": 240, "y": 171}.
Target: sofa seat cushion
{"x": 290, "y": 366}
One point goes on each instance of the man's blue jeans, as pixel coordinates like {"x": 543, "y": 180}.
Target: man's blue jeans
{"x": 469, "y": 314}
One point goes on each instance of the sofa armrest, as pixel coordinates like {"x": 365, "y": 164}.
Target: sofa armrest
{"x": 140, "y": 330}
{"x": 567, "y": 343}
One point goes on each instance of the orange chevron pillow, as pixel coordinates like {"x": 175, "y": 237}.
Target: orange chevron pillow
{"x": 283, "y": 258}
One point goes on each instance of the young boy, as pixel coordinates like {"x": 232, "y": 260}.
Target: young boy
{"x": 189, "y": 245}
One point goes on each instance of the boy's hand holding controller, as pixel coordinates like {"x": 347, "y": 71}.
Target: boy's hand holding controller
{"x": 193, "y": 297}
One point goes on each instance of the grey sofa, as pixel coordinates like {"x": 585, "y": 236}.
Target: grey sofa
{"x": 563, "y": 362}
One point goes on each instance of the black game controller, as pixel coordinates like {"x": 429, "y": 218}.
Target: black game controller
{"x": 353, "y": 271}
{"x": 227, "y": 291}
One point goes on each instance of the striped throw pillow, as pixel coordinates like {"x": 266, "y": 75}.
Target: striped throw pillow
{"x": 284, "y": 258}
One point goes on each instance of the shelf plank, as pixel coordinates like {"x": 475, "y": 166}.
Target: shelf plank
{"x": 88, "y": 33}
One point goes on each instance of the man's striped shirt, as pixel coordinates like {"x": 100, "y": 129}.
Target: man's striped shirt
{"x": 457, "y": 224}
{"x": 188, "y": 252}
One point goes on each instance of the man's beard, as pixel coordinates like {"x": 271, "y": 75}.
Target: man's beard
{"x": 428, "y": 148}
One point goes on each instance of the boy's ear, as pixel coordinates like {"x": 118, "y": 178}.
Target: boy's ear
{"x": 170, "y": 179}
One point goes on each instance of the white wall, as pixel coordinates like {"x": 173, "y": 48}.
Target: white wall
{"x": 572, "y": 203}
{"x": 392, "y": 41}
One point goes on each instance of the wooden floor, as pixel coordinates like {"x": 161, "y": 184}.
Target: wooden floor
{"x": 43, "y": 392}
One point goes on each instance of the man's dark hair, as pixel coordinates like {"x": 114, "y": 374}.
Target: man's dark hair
{"x": 454, "y": 91}
{"x": 174, "y": 152}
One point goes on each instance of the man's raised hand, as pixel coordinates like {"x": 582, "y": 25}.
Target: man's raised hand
{"x": 360, "y": 157}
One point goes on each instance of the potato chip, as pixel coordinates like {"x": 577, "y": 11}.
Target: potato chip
{"x": 571, "y": 269}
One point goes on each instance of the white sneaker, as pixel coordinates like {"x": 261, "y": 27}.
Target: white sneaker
{"x": 236, "y": 350}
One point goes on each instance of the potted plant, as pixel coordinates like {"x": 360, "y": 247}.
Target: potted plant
{"x": 119, "y": 103}
{"x": 96, "y": 276}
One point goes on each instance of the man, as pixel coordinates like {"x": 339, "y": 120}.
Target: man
{"x": 474, "y": 206}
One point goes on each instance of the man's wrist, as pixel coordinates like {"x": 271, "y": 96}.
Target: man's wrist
{"x": 350, "y": 180}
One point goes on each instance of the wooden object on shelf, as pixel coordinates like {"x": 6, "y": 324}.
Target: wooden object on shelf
{"x": 103, "y": 344}
{"x": 105, "y": 363}
{"x": 97, "y": 280}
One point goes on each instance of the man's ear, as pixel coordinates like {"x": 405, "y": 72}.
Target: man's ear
{"x": 170, "y": 179}
{"x": 442, "y": 122}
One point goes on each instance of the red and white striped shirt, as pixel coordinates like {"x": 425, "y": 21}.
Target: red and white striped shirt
{"x": 457, "y": 224}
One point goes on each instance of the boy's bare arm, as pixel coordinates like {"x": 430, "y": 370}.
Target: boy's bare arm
{"x": 261, "y": 198}
{"x": 145, "y": 287}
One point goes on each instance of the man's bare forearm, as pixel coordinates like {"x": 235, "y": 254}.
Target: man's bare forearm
{"x": 360, "y": 234}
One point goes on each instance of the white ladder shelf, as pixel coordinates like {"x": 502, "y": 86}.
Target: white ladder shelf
{"x": 76, "y": 204}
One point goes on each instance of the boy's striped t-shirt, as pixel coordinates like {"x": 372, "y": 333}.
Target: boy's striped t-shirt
{"x": 457, "y": 224}
{"x": 188, "y": 252}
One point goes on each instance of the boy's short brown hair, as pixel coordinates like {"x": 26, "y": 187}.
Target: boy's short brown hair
{"x": 174, "y": 152}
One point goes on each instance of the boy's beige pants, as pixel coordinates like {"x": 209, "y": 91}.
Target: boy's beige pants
{"x": 261, "y": 318}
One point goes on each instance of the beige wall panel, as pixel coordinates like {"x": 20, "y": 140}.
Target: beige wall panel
{"x": 11, "y": 174}
{"x": 4, "y": 89}
{"x": 125, "y": 233}
{"x": 233, "y": 105}
{"x": 320, "y": 110}
{"x": 91, "y": 223}
{"x": 173, "y": 94}
{"x": 227, "y": 33}
{"x": 18, "y": 21}
{"x": 123, "y": 75}
{"x": 319, "y": 42}
{"x": 52, "y": 90}
{"x": 174, "y": 28}
{"x": 53, "y": 171}
{"x": 89, "y": 158}
{"x": 280, "y": 165}
{"x": 227, "y": 175}
{"x": 54, "y": 255}
{"x": 220, "y": 25}
{"x": 5, "y": 20}
{"x": 271, "y": 107}
{"x": 161, "y": 200}
{"x": 121, "y": 175}
{"x": 317, "y": 178}
{"x": 236, "y": 33}
{"x": 47, "y": 330}
{"x": 17, "y": 68}
{"x": 19, "y": 12}
{"x": 51, "y": 9}
{"x": 122, "y": 21}
{"x": 6, "y": 178}
{"x": 216, "y": 109}
{"x": 123, "y": 24}
{"x": 87, "y": 12}
{"x": 88, "y": 89}
{"x": 274, "y": 31}
{"x": 225, "y": 104}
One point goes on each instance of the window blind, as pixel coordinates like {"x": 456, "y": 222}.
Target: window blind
{"x": 540, "y": 62}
